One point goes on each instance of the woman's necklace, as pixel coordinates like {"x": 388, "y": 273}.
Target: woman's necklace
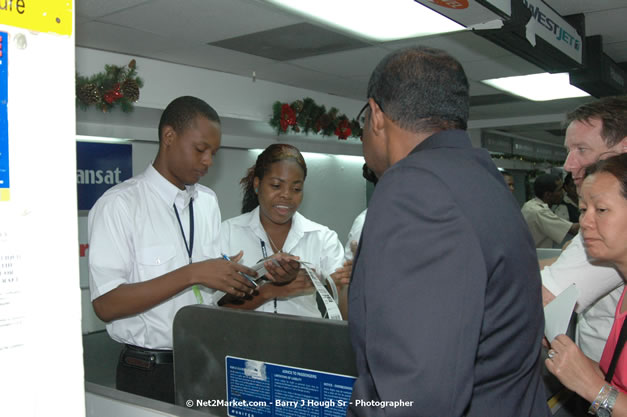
{"x": 275, "y": 248}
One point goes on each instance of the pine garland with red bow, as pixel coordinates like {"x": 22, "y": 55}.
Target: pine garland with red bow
{"x": 116, "y": 86}
{"x": 307, "y": 116}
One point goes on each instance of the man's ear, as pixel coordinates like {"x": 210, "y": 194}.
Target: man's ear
{"x": 376, "y": 117}
{"x": 167, "y": 135}
{"x": 623, "y": 145}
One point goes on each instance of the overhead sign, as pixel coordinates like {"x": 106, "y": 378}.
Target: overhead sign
{"x": 99, "y": 166}
{"x": 5, "y": 182}
{"x": 452, "y": 4}
{"x": 466, "y": 12}
{"x": 54, "y": 16}
{"x": 504, "y": 6}
{"x": 551, "y": 27}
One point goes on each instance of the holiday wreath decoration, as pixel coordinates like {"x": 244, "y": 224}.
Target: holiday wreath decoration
{"x": 307, "y": 116}
{"x": 105, "y": 90}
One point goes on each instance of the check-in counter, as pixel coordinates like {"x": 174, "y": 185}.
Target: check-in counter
{"x": 222, "y": 356}
{"x": 248, "y": 363}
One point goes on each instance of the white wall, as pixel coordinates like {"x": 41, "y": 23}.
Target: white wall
{"x": 231, "y": 95}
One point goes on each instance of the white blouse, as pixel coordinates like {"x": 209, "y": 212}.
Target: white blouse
{"x": 312, "y": 242}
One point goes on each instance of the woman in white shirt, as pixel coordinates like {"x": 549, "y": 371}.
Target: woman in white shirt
{"x": 270, "y": 224}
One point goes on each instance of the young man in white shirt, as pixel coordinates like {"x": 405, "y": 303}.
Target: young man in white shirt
{"x": 546, "y": 227}
{"x": 154, "y": 248}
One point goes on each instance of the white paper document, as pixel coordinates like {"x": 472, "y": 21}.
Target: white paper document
{"x": 558, "y": 312}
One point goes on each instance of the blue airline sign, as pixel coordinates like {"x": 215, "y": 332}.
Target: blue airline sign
{"x": 99, "y": 166}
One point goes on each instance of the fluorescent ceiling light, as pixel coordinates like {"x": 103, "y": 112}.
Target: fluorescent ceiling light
{"x": 314, "y": 155}
{"x": 83, "y": 138}
{"x": 538, "y": 87}
{"x": 351, "y": 159}
{"x": 374, "y": 19}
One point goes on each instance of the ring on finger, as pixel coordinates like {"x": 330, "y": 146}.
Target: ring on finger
{"x": 552, "y": 353}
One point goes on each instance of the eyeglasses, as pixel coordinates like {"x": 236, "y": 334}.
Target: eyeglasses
{"x": 363, "y": 109}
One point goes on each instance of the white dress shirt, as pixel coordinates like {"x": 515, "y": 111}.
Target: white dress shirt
{"x": 134, "y": 236}
{"x": 600, "y": 288}
{"x": 312, "y": 242}
{"x": 354, "y": 235}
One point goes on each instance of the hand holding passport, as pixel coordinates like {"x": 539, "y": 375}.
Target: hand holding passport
{"x": 279, "y": 269}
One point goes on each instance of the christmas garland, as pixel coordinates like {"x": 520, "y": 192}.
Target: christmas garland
{"x": 307, "y": 116}
{"x": 105, "y": 90}
{"x": 526, "y": 159}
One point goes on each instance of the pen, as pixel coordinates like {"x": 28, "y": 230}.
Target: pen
{"x": 248, "y": 277}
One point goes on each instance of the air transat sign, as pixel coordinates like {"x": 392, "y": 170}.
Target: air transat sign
{"x": 100, "y": 166}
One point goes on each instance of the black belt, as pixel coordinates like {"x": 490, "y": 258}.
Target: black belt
{"x": 145, "y": 358}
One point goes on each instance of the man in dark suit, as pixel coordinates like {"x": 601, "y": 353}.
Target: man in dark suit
{"x": 445, "y": 309}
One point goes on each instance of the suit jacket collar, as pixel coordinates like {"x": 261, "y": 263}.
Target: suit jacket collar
{"x": 444, "y": 139}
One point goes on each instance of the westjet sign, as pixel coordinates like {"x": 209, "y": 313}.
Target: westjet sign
{"x": 552, "y": 28}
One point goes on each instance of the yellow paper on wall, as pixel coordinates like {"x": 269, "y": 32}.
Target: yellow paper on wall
{"x": 47, "y": 16}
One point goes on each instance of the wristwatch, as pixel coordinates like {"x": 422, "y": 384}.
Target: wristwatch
{"x": 603, "y": 404}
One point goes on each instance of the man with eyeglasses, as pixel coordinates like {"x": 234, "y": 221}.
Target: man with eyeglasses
{"x": 596, "y": 130}
{"x": 546, "y": 227}
{"x": 444, "y": 302}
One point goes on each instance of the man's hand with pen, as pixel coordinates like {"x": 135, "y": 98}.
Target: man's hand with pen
{"x": 225, "y": 275}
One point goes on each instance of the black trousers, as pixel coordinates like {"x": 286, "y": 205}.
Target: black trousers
{"x": 145, "y": 372}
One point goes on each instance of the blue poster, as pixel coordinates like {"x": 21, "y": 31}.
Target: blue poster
{"x": 99, "y": 166}
{"x": 262, "y": 389}
{"x": 5, "y": 182}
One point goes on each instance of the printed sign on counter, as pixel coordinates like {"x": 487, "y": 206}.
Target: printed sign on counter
{"x": 262, "y": 389}
{"x": 99, "y": 166}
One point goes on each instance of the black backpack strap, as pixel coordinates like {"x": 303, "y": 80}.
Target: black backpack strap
{"x": 619, "y": 347}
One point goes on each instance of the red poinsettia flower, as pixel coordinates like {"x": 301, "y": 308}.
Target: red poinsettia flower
{"x": 343, "y": 129}
{"x": 288, "y": 117}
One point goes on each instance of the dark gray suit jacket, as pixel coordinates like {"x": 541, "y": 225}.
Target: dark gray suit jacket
{"x": 445, "y": 306}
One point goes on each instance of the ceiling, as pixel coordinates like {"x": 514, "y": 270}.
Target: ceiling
{"x": 247, "y": 37}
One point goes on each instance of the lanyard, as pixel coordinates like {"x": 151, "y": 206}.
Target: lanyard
{"x": 264, "y": 253}
{"x": 190, "y": 247}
